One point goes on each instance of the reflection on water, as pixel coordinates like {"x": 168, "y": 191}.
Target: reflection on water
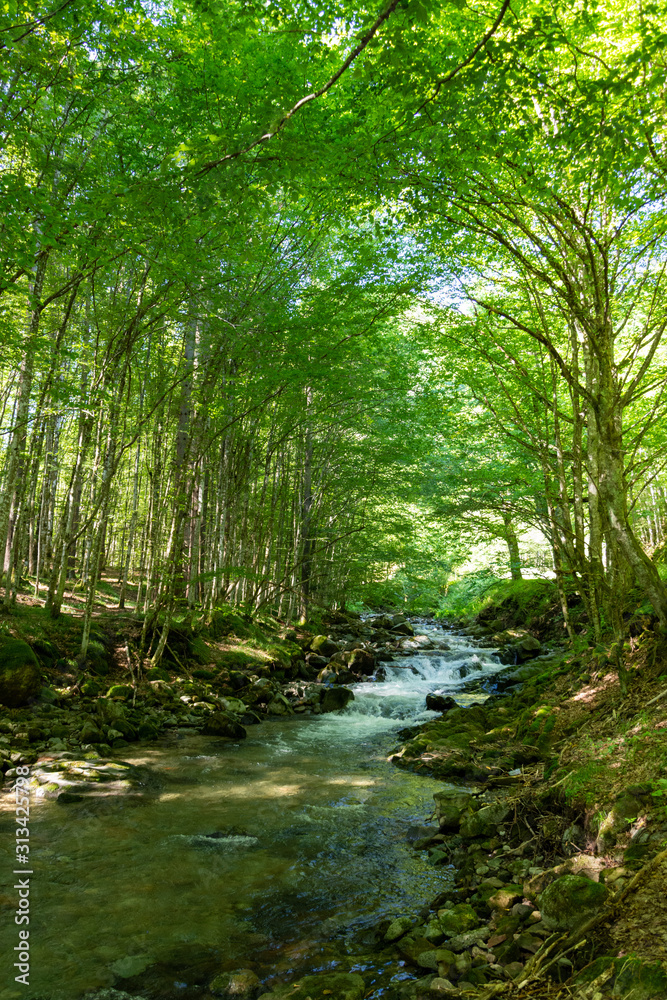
{"x": 271, "y": 854}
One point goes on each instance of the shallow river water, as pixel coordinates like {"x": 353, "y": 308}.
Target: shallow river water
{"x": 276, "y": 853}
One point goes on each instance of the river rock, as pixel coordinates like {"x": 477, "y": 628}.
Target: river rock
{"x": 440, "y": 703}
{"x": 234, "y": 705}
{"x": 506, "y": 897}
{"x": 485, "y": 821}
{"x": 322, "y": 986}
{"x": 335, "y": 699}
{"x": 477, "y": 936}
{"x": 20, "y": 674}
{"x": 414, "y": 944}
{"x": 361, "y": 661}
{"x": 460, "y": 918}
{"x": 397, "y": 928}
{"x": 403, "y": 628}
{"x": 316, "y": 661}
{"x": 279, "y": 705}
{"x": 528, "y": 648}
{"x": 570, "y": 901}
{"x": 450, "y": 806}
{"x": 221, "y": 724}
{"x": 90, "y": 733}
{"x": 433, "y": 931}
{"x": 324, "y": 646}
{"x": 111, "y": 994}
{"x": 242, "y": 984}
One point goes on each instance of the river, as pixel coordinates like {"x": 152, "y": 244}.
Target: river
{"x": 279, "y": 853}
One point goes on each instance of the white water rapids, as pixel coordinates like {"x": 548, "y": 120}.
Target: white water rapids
{"x": 409, "y": 678}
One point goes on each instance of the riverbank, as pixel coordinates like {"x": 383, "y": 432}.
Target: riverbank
{"x": 550, "y": 778}
{"x": 557, "y": 831}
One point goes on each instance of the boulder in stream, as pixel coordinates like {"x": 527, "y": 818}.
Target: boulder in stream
{"x": 221, "y": 724}
{"x": 361, "y": 661}
{"x": 334, "y": 699}
{"x": 440, "y": 702}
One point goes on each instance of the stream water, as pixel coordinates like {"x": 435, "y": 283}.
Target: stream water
{"x": 277, "y": 853}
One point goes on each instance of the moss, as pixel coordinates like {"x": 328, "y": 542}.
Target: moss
{"x": 199, "y": 651}
{"x": 123, "y": 691}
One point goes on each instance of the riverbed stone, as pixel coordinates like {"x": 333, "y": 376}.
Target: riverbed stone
{"x": 322, "y": 986}
{"x": 463, "y": 941}
{"x": 450, "y": 806}
{"x": 528, "y": 648}
{"x": 570, "y": 901}
{"x": 361, "y": 661}
{"x": 335, "y": 699}
{"x": 485, "y": 821}
{"x": 222, "y": 724}
{"x": 242, "y": 984}
{"x": 20, "y": 674}
{"x": 279, "y": 705}
{"x": 131, "y": 965}
{"x": 440, "y": 702}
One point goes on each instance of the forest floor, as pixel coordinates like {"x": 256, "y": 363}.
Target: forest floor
{"x": 556, "y": 774}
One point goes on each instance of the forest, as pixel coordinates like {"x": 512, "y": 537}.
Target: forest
{"x": 312, "y": 312}
{"x": 279, "y": 326}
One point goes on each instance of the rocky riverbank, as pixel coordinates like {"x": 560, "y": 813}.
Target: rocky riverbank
{"x": 555, "y": 826}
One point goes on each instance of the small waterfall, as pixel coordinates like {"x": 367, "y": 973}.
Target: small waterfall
{"x": 401, "y": 696}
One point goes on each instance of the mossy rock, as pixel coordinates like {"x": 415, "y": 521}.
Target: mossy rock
{"x": 323, "y": 646}
{"x": 122, "y": 691}
{"x": 204, "y": 675}
{"x": 20, "y": 674}
{"x": 570, "y": 900}
{"x": 459, "y": 919}
{"x": 225, "y": 622}
{"x": 157, "y": 674}
{"x": 147, "y": 731}
{"x": 632, "y": 979}
{"x": 99, "y": 667}
{"x": 91, "y": 687}
{"x": 47, "y": 651}
{"x": 48, "y": 696}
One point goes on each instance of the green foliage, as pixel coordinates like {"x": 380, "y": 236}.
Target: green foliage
{"x": 659, "y": 792}
{"x": 484, "y": 592}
